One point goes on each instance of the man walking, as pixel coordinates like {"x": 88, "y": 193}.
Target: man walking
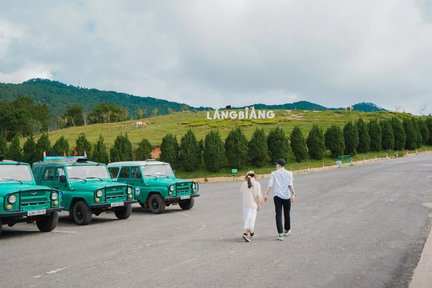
{"x": 281, "y": 182}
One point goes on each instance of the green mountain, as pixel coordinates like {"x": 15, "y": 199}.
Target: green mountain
{"x": 58, "y": 97}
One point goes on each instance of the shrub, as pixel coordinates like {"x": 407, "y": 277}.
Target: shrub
{"x": 315, "y": 143}
{"x": 351, "y": 138}
{"x": 298, "y": 144}
{"x": 258, "y": 148}
{"x": 334, "y": 141}
{"x": 364, "y": 138}
{"x": 190, "y": 152}
{"x": 236, "y": 149}
{"x": 278, "y": 144}
{"x": 214, "y": 153}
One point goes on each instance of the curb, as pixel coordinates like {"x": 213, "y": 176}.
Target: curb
{"x": 422, "y": 277}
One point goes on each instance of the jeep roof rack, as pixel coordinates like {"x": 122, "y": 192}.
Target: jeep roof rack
{"x": 78, "y": 159}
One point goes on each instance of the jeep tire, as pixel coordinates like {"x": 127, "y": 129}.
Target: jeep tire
{"x": 1, "y": 224}
{"x": 48, "y": 223}
{"x": 123, "y": 212}
{"x": 156, "y": 204}
{"x": 82, "y": 214}
{"x": 187, "y": 204}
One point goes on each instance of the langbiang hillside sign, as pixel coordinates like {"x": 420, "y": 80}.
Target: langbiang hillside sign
{"x": 243, "y": 114}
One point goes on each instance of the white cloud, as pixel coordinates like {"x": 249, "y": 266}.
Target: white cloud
{"x": 29, "y": 72}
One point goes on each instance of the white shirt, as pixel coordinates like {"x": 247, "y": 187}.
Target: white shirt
{"x": 250, "y": 195}
{"x": 279, "y": 181}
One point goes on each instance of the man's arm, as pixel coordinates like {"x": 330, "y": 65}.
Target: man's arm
{"x": 267, "y": 192}
{"x": 293, "y": 194}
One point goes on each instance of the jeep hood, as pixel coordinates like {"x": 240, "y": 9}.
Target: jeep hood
{"x": 93, "y": 185}
{"x": 7, "y": 188}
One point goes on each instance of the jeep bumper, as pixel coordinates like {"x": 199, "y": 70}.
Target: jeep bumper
{"x": 111, "y": 205}
{"x": 180, "y": 198}
{"x": 18, "y": 214}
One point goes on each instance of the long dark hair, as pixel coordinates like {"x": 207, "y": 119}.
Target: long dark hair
{"x": 249, "y": 179}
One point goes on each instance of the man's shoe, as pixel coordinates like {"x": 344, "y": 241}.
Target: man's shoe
{"x": 252, "y": 235}
{"x": 280, "y": 237}
{"x": 286, "y": 232}
{"x": 246, "y": 238}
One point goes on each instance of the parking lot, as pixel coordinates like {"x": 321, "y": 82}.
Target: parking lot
{"x": 359, "y": 226}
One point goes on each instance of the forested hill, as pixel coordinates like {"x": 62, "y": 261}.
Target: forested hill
{"x": 58, "y": 97}
{"x": 309, "y": 106}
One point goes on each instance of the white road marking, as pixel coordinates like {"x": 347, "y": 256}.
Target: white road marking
{"x": 55, "y": 271}
{"x": 65, "y": 232}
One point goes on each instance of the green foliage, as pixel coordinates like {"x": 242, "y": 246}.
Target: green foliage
{"x": 424, "y": 131}
{"x": 258, "y": 148}
{"x": 83, "y": 146}
{"x": 418, "y": 135}
{"x": 399, "y": 134}
{"x": 43, "y": 145}
{"x": 100, "y": 153}
{"x": 429, "y": 125}
{"x": 14, "y": 151}
{"x": 411, "y": 136}
{"x": 144, "y": 149}
{"x": 375, "y": 134}
{"x": 278, "y": 144}
{"x": 236, "y": 149}
{"x": 190, "y": 152}
{"x": 30, "y": 152}
{"x": 108, "y": 113}
{"x": 351, "y": 138}
{"x": 170, "y": 150}
{"x": 364, "y": 138}
{"x": 61, "y": 146}
{"x": 315, "y": 143}
{"x": 3, "y": 145}
{"x": 387, "y": 135}
{"x": 298, "y": 144}
{"x": 214, "y": 153}
{"x": 334, "y": 141}
{"x": 74, "y": 116}
{"x": 122, "y": 149}
{"x": 22, "y": 117}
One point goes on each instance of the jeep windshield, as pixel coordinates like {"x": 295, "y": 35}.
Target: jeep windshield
{"x": 87, "y": 172}
{"x": 15, "y": 173}
{"x": 157, "y": 171}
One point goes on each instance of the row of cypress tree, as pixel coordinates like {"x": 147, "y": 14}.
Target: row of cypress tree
{"x": 236, "y": 151}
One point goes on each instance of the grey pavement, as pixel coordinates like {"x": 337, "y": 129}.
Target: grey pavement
{"x": 359, "y": 226}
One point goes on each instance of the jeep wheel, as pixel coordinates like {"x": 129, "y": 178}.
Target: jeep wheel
{"x": 1, "y": 224}
{"x": 156, "y": 204}
{"x": 48, "y": 223}
{"x": 187, "y": 204}
{"x": 123, "y": 212}
{"x": 82, "y": 214}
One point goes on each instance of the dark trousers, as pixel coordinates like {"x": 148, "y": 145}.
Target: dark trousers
{"x": 286, "y": 205}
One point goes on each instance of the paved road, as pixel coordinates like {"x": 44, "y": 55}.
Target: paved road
{"x": 360, "y": 226}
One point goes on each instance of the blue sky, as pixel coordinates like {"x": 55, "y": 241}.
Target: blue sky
{"x": 218, "y": 53}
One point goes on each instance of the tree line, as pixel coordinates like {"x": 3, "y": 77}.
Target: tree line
{"x": 236, "y": 151}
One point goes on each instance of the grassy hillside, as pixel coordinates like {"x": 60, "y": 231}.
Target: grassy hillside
{"x": 178, "y": 123}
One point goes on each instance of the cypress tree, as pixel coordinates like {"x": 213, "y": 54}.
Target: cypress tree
{"x": 43, "y": 145}
{"x": 424, "y": 131}
{"x": 278, "y": 144}
{"x": 122, "y": 149}
{"x": 3, "y": 145}
{"x": 170, "y": 150}
{"x": 399, "y": 134}
{"x": 30, "y": 153}
{"x": 214, "y": 153}
{"x": 315, "y": 143}
{"x": 387, "y": 135}
{"x": 83, "y": 145}
{"x": 61, "y": 146}
{"x": 258, "y": 148}
{"x": 351, "y": 138}
{"x": 190, "y": 153}
{"x": 236, "y": 148}
{"x": 334, "y": 141}
{"x": 144, "y": 149}
{"x": 100, "y": 153}
{"x": 417, "y": 132}
{"x": 411, "y": 137}
{"x": 375, "y": 135}
{"x": 429, "y": 125}
{"x": 364, "y": 138}
{"x": 14, "y": 151}
{"x": 298, "y": 144}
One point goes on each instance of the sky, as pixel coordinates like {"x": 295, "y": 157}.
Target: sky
{"x": 227, "y": 52}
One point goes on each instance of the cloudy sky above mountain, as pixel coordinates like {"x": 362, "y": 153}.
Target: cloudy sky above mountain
{"x": 238, "y": 52}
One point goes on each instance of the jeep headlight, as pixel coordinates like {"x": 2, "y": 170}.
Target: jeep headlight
{"x": 12, "y": 199}
{"x": 99, "y": 193}
{"x": 129, "y": 190}
{"x": 54, "y": 196}
{"x": 137, "y": 191}
{"x": 171, "y": 190}
{"x": 194, "y": 186}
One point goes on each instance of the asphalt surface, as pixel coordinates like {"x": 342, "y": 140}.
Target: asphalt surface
{"x": 358, "y": 226}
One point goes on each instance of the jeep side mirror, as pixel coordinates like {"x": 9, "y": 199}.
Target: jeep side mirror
{"x": 62, "y": 178}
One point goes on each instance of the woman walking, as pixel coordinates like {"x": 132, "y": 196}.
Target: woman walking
{"x": 252, "y": 199}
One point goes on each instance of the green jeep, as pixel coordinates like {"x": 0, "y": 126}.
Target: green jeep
{"x": 155, "y": 184}
{"x": 87, "y": 187}
{"x": 21, "y": 200}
